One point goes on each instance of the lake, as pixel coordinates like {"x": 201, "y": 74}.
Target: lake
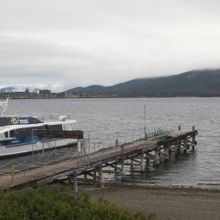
{"x": 105, "y": 120}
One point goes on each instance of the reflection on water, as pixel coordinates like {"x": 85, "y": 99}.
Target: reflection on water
{"x": 162, "y": 173}
{"x": 106, "y": 120}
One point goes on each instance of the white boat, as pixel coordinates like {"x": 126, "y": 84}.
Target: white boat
{"x": 17, "y": 136}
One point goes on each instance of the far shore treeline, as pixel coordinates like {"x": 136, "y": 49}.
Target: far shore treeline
{"x": 199, "y": 83}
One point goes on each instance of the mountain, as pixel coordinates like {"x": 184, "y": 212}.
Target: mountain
{"x": 192, "y": 83}
{"x": 18, "y": 89}
{"x": 7, "y": 89}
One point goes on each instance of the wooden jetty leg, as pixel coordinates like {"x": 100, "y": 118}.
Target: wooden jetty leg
{"x": 185, "y": 146}
{"x": 157, "y": 157}
{"x": 132, "y": 165}
{"x": 147, "y": 164}
{"x": 116, "y": 169}
{"x": 150, "y": 161}
{"x": 116, "y": 142}
{"x": 78, "y": 152}
{"x": 193, "y": 139}
{"x": 85, "y": 175}
{"x": 142, "y": 162}
{"x": 95, "y": 176}
{"x": 76, "y": 189}
{"x": 193, "y": 143}
{"x": 100, "y": 176}
{"x": 122, "y": 169}
{"x": 178, "y": 148}
{"x": 166, "y": 153}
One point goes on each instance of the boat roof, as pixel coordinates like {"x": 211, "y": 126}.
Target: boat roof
{"x": 4, "y": 121}
{"x": 20, "y": 126}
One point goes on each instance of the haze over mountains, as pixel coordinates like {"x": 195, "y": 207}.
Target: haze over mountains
{"x": 192, "y": 83}
{"x": 12, "y": 89}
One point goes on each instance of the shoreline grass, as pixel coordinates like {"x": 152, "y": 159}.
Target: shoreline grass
{"x": 60, "y": 203}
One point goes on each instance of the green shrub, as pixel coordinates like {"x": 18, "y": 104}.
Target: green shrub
{"x": 59, "y": 203}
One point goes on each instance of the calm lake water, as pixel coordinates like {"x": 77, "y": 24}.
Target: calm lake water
{"x": 106, "y": 119}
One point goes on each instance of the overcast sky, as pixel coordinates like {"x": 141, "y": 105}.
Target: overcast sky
{"x": 68, "y": 43}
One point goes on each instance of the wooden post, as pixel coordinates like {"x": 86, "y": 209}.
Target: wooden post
{"x": 142, "y": 162}
{"x": 122, "y": 150}
{"x": 78, "y": 152}
{"x": 179, "y": 128}
{"x": 166, "y": 153}
{"x": 116, "y": 168}
{"x": 157, "y": 157}
{"x": 95, "y": 177}
{"x": 147, "y": 164}
{"x": 100, "y": 176}
{"x": 178, "y": 146}
{"x": 145, "y": 121}
{"x": 132, "y": 165}
{"x": 193, "y": 139}
{"x": 185, "y": 146}
{"x": 193, "y": 143}
{"x": 117, "y": 139}
{"x": 75, "y": 183}
{"x": 122, "y": 169}
{"x": 116, "y": 142}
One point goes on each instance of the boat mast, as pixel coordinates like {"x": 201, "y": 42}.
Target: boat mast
{"x": 145, "y": 120}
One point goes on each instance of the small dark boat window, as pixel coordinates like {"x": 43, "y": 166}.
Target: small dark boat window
{"x": 23, "y": 132}
{"x": 12, "y": 133}
{"x": 54, "y": 127}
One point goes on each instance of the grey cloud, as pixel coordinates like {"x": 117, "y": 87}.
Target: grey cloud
{"x": 72, "y": 43}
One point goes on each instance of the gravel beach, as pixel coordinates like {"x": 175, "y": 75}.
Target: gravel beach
{"x": 166, "y": 202}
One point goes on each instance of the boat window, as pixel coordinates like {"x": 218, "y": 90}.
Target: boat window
{"x": 54, "y": 127}
{"x": 12, "y": 133}
{"x": 23, "y": 132}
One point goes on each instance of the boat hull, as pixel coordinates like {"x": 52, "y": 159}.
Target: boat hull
{"x": 28, "y": 149}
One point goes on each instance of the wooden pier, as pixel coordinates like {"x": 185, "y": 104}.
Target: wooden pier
{"x": 142, "y": 153}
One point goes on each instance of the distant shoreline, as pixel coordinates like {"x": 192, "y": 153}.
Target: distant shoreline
{"x": 155, "y": 97}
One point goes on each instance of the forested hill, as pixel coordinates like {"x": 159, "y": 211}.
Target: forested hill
{"x": 192, "y": 83}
